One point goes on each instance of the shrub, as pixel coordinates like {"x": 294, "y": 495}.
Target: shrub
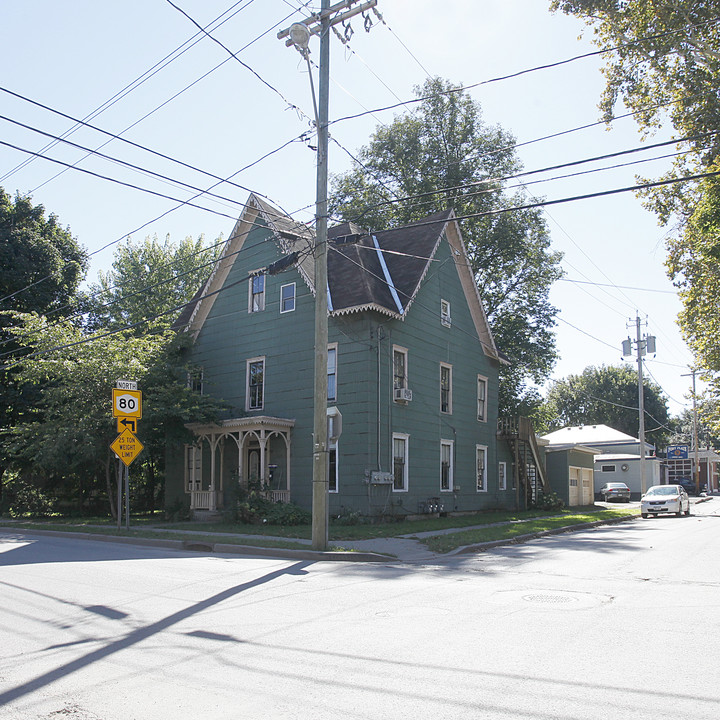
{"x": 549, "y": 501}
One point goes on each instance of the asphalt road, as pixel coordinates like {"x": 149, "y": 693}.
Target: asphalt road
{"x": 618, "y": 622}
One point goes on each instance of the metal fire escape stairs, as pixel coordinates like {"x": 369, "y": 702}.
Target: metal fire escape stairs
{"x": 529, "y": 463}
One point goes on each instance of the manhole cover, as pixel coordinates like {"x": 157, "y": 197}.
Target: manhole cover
{"x": 549, "y": 599}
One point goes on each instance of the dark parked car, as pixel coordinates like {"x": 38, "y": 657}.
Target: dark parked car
{"x": 689, "y": 487}
{"x": 615, "y": 491}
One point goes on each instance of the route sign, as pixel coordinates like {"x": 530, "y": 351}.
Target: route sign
{"x": 126, "y": 384}
{"x": 127, "y": 447}
{"x": 127, "y": 403}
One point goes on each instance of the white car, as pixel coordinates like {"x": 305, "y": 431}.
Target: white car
{"x": 665, "y": 499}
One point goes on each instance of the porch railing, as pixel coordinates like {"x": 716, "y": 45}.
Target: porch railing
{"x": 203, "y": 500}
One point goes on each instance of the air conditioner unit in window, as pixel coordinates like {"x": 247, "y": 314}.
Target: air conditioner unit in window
{"x": 403, "y": 395}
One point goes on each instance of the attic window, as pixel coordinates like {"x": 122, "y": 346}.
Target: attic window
{"x": 445, "y": 318}
{"x": 257, "y": 293}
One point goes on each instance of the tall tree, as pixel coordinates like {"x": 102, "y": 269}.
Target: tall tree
{"x": 607, "y": 395}
{"x": 148, "y": 280}
{"x": 664, "y": 64}
{"x": 41, "y": 266}
{"x": 443, "y": 155}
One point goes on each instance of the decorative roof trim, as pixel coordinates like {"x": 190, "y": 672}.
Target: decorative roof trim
{"x": 368, "y": 306}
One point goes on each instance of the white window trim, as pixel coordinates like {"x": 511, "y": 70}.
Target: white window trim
{"x": 502, "y": 475}
{"x": 484, "y": 487}
{"x": 282, "y": 287}
{"x": 450, "y": 392}
{"x": 445, "y": 316}
{"x": 253, "y": 275}
{"x": 406, "y": 474}
{"x": 249, "y": 362}
{"x": 482, "y": 379}
{"x": 334, "y": 346}
{"x": 402, "y": 351}
{"x": 451, "y": 472}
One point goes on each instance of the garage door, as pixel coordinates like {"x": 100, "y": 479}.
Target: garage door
{"x": 575, "y": 486}
{"x": 588, "y": 495}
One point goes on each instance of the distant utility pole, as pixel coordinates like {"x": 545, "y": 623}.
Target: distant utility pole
{"x": 298, "y": 35}
{"x": 643, "y": 345}
{"x": 696, "y": 465}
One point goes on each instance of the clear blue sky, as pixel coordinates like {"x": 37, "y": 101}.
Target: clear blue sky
{"x": 218, "y": 115}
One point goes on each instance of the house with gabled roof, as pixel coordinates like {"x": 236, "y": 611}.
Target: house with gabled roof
{"x": 412, "y": 367}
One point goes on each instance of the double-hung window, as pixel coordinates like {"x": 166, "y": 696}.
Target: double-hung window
{"x": 481, "y": 468}
{"x": 400, "y": 462}
{"x": 445, "y": 318}
{"x": 502, "y": 476}
{"x": 446, "y": 465}
{"x": 287, "y": 298}
{"x": 332, "y": 372}
{"x": 482, "y": 388}
{"x": 400, "y": 375}
{"x": 255, "y": 384}
{"x": 257, "y": 293}
{"x": 445, "y": 388}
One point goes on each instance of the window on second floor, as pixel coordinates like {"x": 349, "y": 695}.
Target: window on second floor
{"x": 399, "y": 368}
{"x": 257, "y": 293}
{"x": 255, "y": 383}
{"x": 482, "y": 387}
{"x": 287, "y": 298}
{"x": 332, "y": 372}
{"x": 195, "y": 380}
{"x": 445, "y": 388}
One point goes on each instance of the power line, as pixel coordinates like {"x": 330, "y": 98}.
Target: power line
{"x": 137, "y": 82}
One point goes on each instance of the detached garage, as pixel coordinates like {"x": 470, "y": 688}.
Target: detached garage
{"x": 570, "y": 473}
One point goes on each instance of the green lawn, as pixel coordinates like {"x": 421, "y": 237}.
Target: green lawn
{"x": 497, "y": 525}
{"x": 451, "y": 541}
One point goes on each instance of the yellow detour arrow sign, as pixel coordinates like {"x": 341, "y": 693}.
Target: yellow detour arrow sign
{"x": 127, "y": 447}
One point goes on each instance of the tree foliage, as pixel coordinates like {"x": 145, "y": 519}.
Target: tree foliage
{"x": 62, "y": 444}
{"x": 442, "y": 155}
{"x": 664, "y": 65}
{"x": 607, "y": 395}
{"x": 41, "y": 264}
{"x": 148, "y": 280}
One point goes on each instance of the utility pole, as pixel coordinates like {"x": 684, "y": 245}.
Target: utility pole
{"x": 696, "y": 464}
{"x": 299, "y": 36}
{"x": 643, "y": 345}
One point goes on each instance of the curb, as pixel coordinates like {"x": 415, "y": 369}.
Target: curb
{"x": 209, "y": 547}
{"x": 519, "y": 539}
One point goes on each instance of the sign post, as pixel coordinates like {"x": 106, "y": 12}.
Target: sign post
{"x": 127, "y": 408}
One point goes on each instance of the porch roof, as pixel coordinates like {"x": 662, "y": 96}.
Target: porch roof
{"x": 224, "y": 427}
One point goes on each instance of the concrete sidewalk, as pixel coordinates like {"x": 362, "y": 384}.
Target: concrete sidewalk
{"x": 405, "y": 549}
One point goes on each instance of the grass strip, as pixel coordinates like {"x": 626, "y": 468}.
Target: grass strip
{"x": 451, "y": 541}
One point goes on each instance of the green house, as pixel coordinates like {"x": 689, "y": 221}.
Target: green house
{"x": 412, "y": 368}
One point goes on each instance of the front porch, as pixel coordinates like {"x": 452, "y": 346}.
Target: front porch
{"x": 240, "y": 452}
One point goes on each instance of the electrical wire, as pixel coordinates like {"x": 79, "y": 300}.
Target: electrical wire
{"x": 137, "y": 82}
